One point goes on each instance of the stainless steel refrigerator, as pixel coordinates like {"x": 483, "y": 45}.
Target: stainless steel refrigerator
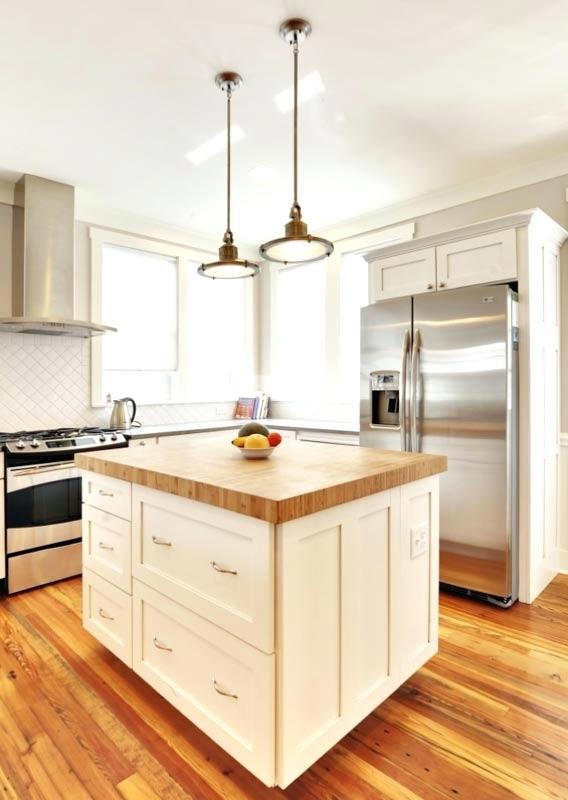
{"x": 439, "y": 375}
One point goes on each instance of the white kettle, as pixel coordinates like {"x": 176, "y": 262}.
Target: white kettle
{"x": 120, "y": 417}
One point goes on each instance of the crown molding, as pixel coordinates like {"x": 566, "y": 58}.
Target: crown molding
{"x": 447, "y": 198}
{"x": 518, "y": 220}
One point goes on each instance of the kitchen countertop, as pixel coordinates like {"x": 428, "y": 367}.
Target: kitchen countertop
{"x": 300, "y": 478}
{"x": 228, "y": 424}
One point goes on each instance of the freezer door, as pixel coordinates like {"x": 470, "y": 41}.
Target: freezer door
{"x": 465, "y": 404}
{"x": 385, "y": 345}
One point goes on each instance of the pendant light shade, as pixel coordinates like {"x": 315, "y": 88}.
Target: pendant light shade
{"x": 229, "y": 264}
{"x": 297, "y": 246}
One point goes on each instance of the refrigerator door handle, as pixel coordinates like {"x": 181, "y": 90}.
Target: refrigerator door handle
{"x": 403, "y": 382}
{"x": 413, "y": 384}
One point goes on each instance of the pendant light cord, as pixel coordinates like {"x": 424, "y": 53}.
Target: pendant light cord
{"x": 228, "y": 234}
{"x": 295, "y": 205}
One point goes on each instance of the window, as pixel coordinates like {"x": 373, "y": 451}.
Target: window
{"x": 298, "y": 331}
{"x": 181, "y": 338}
{"x": 314, "y": 320}
{"x": 219, "y": 341}
{"x": 139, "y": 297}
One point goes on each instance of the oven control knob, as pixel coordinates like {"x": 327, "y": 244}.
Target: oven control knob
{"x": 113, "y": 437}
{"x": 34, "y": 443}
{"x": 20, "y": 444}
{"x": 102, "y": 438}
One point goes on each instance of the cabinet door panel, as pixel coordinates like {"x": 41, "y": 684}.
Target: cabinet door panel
{"x": 415, "y": 577}
{"x": 403, "y": 275}
{"x": 214, "y": 562}
{"x": 481, "y": 259}
{"x": 107, "y": 615}
{"x": 224, "y": 686}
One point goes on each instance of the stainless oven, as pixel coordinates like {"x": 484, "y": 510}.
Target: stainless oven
{"x": 43, "y": 503}
{"x": 43, "y": 523}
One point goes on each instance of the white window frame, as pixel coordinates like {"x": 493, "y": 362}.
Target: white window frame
{"x": 331, "y": 389}
{"x": 186, "y": 258}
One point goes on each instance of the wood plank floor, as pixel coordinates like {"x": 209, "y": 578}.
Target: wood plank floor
{"x": 486, "y": 719}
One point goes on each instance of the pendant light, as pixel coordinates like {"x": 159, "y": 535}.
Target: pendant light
{"x": 229, "y": 264}
{"x": 297, "y": 246}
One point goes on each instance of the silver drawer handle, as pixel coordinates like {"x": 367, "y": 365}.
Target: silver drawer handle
{"x": 105, "y": 494}
{"x": 104, "y": 546}
{"x": 161, "y": 646}
{"x": 223, "y": 692}
{"x": 164, "y": 542}
{"x": 217, "y": 568}
{"x": 142, "y": 444}
{"x": 105, "y": 616}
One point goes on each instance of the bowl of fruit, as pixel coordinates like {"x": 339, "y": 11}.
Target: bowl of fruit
{"x": 256, "y": 441}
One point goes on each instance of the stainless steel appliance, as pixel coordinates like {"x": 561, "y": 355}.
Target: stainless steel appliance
{"x": 121, "y": 418}
{"x": 43, "y": 502}
{"x": 439, "y": 375}
{"x": 43, "y": 247}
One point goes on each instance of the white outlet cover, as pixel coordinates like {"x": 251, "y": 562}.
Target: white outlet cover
{"x": 418, "y": 540}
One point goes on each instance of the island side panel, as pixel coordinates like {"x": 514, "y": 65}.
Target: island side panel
{"x": 346, "y": 635}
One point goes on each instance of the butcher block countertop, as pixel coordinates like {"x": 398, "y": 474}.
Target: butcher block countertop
{"x": 300, "y": 478}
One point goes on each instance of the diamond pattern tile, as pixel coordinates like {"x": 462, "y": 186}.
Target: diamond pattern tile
{"x": 45, "y": 383}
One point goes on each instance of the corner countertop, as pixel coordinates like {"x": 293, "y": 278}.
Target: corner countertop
{"x": 300, "y": 478}
{"x": 228, "y": 424}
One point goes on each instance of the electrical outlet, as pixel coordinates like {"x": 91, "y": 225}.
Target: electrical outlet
{"x": 418, "y": 540}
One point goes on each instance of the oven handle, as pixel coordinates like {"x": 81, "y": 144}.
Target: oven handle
{"x": 21, "y": 477}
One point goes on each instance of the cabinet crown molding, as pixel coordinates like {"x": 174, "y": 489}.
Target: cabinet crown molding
{"x": 520, "y": 219}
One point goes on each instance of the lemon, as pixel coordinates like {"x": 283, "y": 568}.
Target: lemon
{"x": 256, "y": 441}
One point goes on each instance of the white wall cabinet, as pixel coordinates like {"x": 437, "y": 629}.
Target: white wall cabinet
{"x": 489, "y": 258}
{"x": 402, "y": 275}
{"x": 304, "y": 628}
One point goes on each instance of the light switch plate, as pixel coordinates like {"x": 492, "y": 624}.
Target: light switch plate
{"x": 418, "y": 540}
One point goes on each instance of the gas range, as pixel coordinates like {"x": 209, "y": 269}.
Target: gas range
{"x": 43, "y": 502}
{"x": 59, "y": 441}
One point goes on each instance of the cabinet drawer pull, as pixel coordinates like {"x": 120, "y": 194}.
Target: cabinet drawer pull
{"x": 164, "y": 542}
{"x": 442, "y": 284}
{"x": 142, "y": 444}
{"x": 105, "y": 494}
{"x": 430, "y": 286}
{"x": 217, "y": 568}
{"x": 223, "y": 692}
{"x": 104, "y": 546}
{"x": 104, "y": 615}
{"x": 161, "y": 646}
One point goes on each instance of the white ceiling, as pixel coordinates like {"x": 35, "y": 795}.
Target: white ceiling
{"x": 110, "y": 96}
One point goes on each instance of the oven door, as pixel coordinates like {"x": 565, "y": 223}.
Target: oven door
{"x": 43, "y": 505}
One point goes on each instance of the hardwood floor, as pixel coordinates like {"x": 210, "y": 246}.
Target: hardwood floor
{"x": 486, "y": 719}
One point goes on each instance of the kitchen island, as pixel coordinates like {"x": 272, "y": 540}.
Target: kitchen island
{"x": 275, "y": 603}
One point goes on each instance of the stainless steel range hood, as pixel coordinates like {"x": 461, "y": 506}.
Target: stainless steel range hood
{"x": 43, "y": 249}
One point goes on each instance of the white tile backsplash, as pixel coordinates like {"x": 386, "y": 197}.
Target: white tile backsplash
{"x": 45, "y": 383}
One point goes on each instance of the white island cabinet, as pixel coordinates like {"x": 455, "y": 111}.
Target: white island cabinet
{"x": 278, "y": 627}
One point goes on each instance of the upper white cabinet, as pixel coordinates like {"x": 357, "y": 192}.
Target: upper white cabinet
{"x": 401, "y": 275}
{"x": 490, "y": 258}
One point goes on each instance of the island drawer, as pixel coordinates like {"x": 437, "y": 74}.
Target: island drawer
{"x": 108, "y": 494}
{"x": 107, "y": 615}
{"x": 107, "y": 546}
{"x": 224, "y": 686}
{"x": 215, "y": 562}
